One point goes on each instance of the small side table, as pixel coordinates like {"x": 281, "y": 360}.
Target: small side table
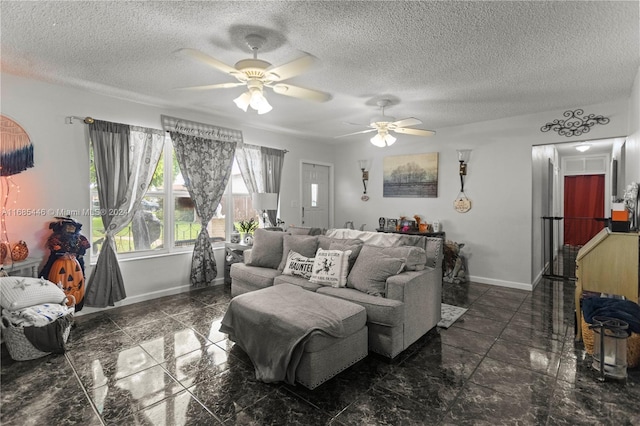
{"x": 24, "y": 268}
{"x": 234, "y": 253}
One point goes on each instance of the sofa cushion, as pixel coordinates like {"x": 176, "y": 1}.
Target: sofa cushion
{"x": 331, "y": 267}
{"x": 353, "y": 245}
{"x": 299, "y": 281}
{"x": 267, "y": 248}
{"x": 257, "y": 276}
{"x": 414, "y": 257}
{"x": 371, "y": 271}
{"x": 305, "y": 245}
{"x": 298, "y": 230}
{"x": 381, "y": 311}
{"x": 298, "y": 265}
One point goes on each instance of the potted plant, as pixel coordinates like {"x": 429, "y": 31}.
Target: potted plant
{"x": 246, "y": 228}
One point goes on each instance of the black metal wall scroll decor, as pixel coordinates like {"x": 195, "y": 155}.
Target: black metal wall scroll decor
{"x": 575, "y": 124}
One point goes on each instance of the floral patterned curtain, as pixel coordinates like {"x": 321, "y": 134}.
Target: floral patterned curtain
{"x": 206, "y": 166}
{"x": 125, "y": 158}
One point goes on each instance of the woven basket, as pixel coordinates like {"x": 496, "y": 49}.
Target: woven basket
{"x": 19, "y": 347}
{"x": 633, "y": 344}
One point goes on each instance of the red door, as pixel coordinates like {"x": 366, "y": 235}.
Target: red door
{"x": 583, "y": 203}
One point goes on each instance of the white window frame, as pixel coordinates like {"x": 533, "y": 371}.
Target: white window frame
{"x": 169, "y": 195}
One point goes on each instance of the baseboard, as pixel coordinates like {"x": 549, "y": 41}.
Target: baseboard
{"x": 146, "y": 296}
{"x": 501, "y": 283}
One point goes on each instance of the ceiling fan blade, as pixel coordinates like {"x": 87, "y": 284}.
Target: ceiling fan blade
{"x": 202, "y": 57}
{"x": 415, "y": 132}
{"x": 301, "y": 92}
{"x": 291, "y": 69}
{"x": 211, "y": 86}
{"x": 355, "y": 133}
{"x": 405, "y": 122}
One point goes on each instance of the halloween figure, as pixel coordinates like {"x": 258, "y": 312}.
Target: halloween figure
{"x": 65, "y": 265}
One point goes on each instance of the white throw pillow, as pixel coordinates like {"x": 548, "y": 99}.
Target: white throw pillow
{"x": 298, "y": 265}
{"x": 330, "y": 268}
{"x": 21, "y": 292}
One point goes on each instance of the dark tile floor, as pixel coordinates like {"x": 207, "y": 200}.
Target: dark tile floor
{"x": 510, "y": 359}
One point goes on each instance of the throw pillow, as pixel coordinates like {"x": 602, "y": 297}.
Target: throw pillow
{"x": 330, "y": 268}
{"x": 22, "y": 292}
{"x": 414, "y": 257}
{"x": 353, "y": 245}
{"x": 371, "y": 271}
{"x": 267, "y": 248}
{"x": 298, "y": 265}
{"x": 305, "y": 245}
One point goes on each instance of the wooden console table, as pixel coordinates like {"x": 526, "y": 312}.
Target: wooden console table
{"x": 607, "y": 263}
{"x": 440, "y": 234}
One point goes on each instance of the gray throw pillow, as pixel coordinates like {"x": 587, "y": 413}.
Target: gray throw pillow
{"x": 414, "y": 258}
{"x": 305, "y": 245}
{"x": 371, "y": 271}
{"x": 353, "y": 245}
{"x": 267, "y": 248}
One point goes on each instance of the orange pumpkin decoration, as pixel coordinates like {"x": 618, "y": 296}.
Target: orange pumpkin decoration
{"x": 67, "y": 273}
{"x": 4, "y": 251}
{"x": 19, "y": 252}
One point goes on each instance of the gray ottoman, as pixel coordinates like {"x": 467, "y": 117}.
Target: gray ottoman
{"x": 293, "y": 334}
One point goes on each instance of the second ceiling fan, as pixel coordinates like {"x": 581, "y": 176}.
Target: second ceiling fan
{"x": 257, "y": 74}
{"x": 384, "y": 124}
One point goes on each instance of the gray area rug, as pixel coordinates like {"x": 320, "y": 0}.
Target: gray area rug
{"x": 450, "y": 314}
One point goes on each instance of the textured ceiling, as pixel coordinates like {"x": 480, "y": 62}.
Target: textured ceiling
{"x": 445, "y": 63}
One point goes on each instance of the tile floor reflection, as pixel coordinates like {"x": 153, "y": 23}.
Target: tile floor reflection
{"x": 510, "y": 359}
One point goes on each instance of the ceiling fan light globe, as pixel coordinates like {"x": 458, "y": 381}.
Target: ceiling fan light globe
{"x": 259, "y": 102}
{"x": 390, "y": 140}
{"x": 264, "y": 108}
{"x": 378, "y": 140}
{"x": 242, "y": 101}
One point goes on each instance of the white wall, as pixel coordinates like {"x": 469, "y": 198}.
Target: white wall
{"x": 60, "y": 178}
{"x": 497, "y": 231}
{"x": 632, "y": 146}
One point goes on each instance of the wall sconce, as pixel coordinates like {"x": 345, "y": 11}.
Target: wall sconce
{"x": 463, "y": 158}
{"x": 364, "y": 167}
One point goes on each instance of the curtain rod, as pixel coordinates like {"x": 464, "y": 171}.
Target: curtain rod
{"x": 85, "y": 120}
{"x": 90, "y": 120}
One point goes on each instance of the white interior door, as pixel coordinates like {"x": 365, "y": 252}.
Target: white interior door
{"x": 315, "y": 195}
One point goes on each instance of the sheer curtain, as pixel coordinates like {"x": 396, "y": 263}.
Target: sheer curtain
{"x": 272, "y": 162}
{"x": 125, "y": 159}
{"x": 206, "y": 166}
{"x": 249, "y": 159}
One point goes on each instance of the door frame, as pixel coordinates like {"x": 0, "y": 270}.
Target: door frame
{"x": 331, "y": 189}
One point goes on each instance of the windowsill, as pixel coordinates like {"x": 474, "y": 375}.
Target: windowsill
{"x": 189, "y": 250}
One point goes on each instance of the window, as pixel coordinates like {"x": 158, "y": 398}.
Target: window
{"x": 167, "y": 221}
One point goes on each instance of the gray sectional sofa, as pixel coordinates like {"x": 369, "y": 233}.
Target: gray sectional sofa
{"x": 396, "y": 278}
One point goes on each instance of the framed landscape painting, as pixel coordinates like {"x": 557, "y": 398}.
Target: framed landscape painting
{"x": 411, "y": 176}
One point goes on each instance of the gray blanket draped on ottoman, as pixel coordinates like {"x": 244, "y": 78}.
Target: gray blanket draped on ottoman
{"x": 274, "y": 327}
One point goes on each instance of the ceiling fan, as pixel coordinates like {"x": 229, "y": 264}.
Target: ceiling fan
{"x": 257, "y": 74}
{"x": 384, "y": 124}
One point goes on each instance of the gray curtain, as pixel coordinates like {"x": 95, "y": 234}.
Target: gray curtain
{"x": 272, "y": 162}
{"x": 125, "y": 159}
{"x": 206, "y": 166}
